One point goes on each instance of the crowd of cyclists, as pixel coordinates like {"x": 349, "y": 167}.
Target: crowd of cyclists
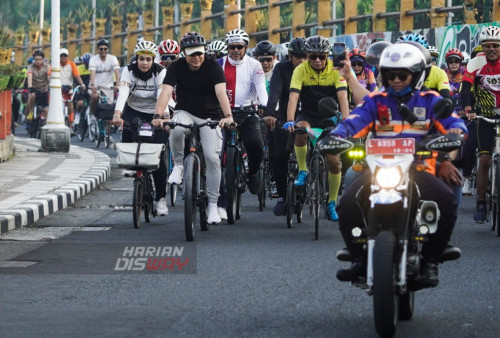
{"x": 190, "y": 81}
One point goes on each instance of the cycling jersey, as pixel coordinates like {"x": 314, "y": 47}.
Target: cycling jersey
{"x": 41, "y": 76}
{"x": 437, "y": 80}
{"x": 246, "y": 83}
{"x": 84, "y": 74}
{"x": 68, "y": 72}
{"x": 313, "y": 86}
{"x": 140, "y": 95}
{"x": 455, "y": 80}
{"x": 104, "y": 70}
{"x": 279, "y": 91}
{"x": 367, "y": 79}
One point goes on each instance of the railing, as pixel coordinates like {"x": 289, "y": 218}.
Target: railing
{"x": 231, "y": 17}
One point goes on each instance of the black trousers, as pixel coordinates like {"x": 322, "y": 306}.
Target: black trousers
{"x": 160, "y": 136}
{"x": 278, "y": 141}
{"x": 431, "y": 189}
{"x": 251, "y": 135}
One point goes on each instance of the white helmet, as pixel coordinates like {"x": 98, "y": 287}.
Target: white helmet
{"x": 145, "y": 48}
{"x": 404, "y": 56}
{"x": 218, "y": 47}
{"x": 433, "y": 51}
{"x": 466, "y": 58}
{"x": 237, "y": 36}
{"x": 491, "y": 33}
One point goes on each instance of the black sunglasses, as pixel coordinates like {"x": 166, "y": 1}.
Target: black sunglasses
{"x": 233, "y": 47}
{"x": 357, "y": 64}
{"x": 391, "y": 76}
{"x": 64, "y": 55}
{"x": 313, "y": 57}
{"x": 166, "y": 57}
{"x": 491, "y": 45}
{"x": 103, "y": 49}
{"x": 266, "y": 59}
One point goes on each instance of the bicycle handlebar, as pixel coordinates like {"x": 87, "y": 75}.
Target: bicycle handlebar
{"x": 211, "y": 124}
{"x": 488, "y": 120}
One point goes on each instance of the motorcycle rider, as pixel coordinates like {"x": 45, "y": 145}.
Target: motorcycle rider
{"x": 403, "y": 73}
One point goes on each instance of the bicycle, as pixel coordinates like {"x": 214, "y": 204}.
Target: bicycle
{"x": 39, "y": 115}
{"x": 267, "y": 185}
{"x": 82, "y": 117}
{"x": 194, "y": 178}
{"x": 143, "y": 195}
{"x": 493, "y": 189}
{"x": 104, "y": 114}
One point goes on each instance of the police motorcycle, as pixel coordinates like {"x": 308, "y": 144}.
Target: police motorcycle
{"x": 396, "y": 221}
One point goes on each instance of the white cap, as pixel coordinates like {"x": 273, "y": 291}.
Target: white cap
{"x": 63, "y": 51}
{"x": 191, "y": 50}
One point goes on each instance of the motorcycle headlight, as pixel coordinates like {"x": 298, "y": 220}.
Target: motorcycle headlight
{"x": 388, "y": 178}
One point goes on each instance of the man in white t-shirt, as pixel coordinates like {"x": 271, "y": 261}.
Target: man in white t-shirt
{"x": 104, "y": 69}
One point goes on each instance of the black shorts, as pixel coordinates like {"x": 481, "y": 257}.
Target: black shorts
{"x": 42, "y": 99}
{"x": 485, "y": 137}
{"x": 316, "y": 122}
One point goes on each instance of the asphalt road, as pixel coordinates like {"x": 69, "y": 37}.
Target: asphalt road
{"x": 253, "y": 278}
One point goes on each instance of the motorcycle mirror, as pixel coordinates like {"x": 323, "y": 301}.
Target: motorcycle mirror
{"x": 443, "y": 108}
{"x": 328, "y": 106}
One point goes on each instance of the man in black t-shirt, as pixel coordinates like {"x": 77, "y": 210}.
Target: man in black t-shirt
{"x": 200, "y": 90}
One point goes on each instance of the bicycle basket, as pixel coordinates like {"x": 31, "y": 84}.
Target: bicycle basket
{"x": 105, "y": 111}
{"x": 139, "y": 155}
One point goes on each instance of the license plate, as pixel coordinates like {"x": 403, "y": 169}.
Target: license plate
{"x": 390, "y": 146}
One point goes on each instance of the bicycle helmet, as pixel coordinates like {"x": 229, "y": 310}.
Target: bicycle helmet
{"x": 476, "y": 50}
{"x": 357, "y": 55}
{"x": 168, "y": 46}
{"x": 453, "y": 53}
{"x": 192, "y": 39}
{"x": 433, "y": 51}
{"x": 404, "y": 56}
{"x": 297, "y": 47}
{"x": 265, "y": 47}
{"x": 78, "y": 60}
{"x": 466, "y": 58}
{"x": 30, "y": 60}
{"x": 38, "y": 52}
{"x": 317, "y": 44}
{"x": 218, "y": 48}
{"x": 86, "y": 57}
{"x": 145, "y": 48}
{"x": 418, "y": 38}
{"x": 491, "y": 33}
{"x": 372, "y": 55}
{"x": 237, "y": 36}
{"x": 103, "y": 42}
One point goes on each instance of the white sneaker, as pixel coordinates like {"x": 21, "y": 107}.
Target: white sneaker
{"x": 213, "y": 215}
{"x": 467, "y": 188}
{"x": 176, "y": 175}
{"x": 222, "y": 213}
{"x": 128, "y": 173}
{"x": 161, "y": 207}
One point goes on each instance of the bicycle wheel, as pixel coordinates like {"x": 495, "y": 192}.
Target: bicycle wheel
{"x": 232, "y": 184}
{"x": 137, "y": 202}
{"x": 107, "y": 136}
{"x": 169, "y": 163}
{"x": 191, "y": 189}
{"x": 148, "y": 198}
{"x": 316, "y": 179}
{"x": 202, "y": 204}
{"x": 262, "y": 194}
{"x": 81, "y": 127}
{"x": 496, "y": 222}
{"x": 290, "y": 203}
{"x": 93, "y": 130}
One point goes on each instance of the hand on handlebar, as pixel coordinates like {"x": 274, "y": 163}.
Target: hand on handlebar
{"x": 227, "y": 121}
{"x": 289, "y": 126}
{"x": 270, "y": 122}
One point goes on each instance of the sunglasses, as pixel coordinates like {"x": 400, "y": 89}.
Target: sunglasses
{"x": 313, "y": 57}
{"x": 391, "y": 76}
{"x": 491, "y": 45}
{"x": 166, "y": 57}
{"x": 357, "y": 64}
{"x": 64, "y": 55}
{"x": 452, "y": 61}
{"x": 238, "y": 47}
{"x": 266, "y": 59}
{"x": 103, "y": 49}
{"x": 196, "y": 54}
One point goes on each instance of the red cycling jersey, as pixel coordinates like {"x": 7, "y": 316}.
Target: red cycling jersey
{"x": 485, "y": 76}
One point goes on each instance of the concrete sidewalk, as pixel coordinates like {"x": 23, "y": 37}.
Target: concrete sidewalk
{"x": 34, "y": 184}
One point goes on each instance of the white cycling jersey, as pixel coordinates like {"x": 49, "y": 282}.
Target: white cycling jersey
{"x": 245, "y": 81}
{"x": 104, "y": 70}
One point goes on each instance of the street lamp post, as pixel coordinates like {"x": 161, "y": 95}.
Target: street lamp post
{"x": 55, "y": 134}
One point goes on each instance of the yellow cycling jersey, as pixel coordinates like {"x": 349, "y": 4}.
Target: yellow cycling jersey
{"x": 313, "y": 86}
{"x": 437, "y": 79}
{"x": 83, "y": 70}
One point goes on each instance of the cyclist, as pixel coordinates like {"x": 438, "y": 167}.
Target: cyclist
{"x": 140, "y": 86}
{"x": 38, "y": 79}
{"x": 104, "y": 69}
{"x": 403, "y": 68}
{"x": 433, "y": 51}
{"x": 265, "y": 53}
{"x": 364, "y": 74}
{"x": 217, "y": 49}
{"x": 81, "y": 96}
{"x": 454, "y": 70}
{"x": 201, "y": 93}
{"x": 312, "y": 81}
{"x": 168, "y": 51}
{"x": 246, "y": 85}
{"x": 437, "y": 79}
{"x": 279, "y": 92}
{"x": 483, "y": 73}
{"x": 69, "y": 74}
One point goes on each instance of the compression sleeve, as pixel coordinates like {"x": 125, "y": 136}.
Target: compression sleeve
{"x": 124, "y": 91}
{"x": 465, "y": 93}
{"x": 274, "y": 91}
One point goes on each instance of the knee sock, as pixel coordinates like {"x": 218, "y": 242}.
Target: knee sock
{"x": 333, "y": 186}
{"x": 301, "y": 154}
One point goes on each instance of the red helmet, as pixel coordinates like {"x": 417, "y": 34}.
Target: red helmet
{"x": 453, "y": 53}
{"x": 357, "y": 55}
{"x": 168, "y": 47}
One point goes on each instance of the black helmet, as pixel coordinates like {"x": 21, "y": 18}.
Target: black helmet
{"x": 103, "y": 42}
{"x": 297, "y": 46}
{"x": 38, "y": 52}
{"x": 192, "y": 39}
{"x": 317, "y": 44}
{"x": 265, "y": 47}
